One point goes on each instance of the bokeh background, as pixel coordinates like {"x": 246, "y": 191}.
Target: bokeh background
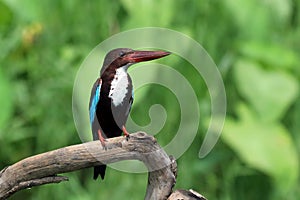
{"x": 255, "y": 44}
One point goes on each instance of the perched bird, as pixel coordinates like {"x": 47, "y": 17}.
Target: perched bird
{"x": 112, "y": 95}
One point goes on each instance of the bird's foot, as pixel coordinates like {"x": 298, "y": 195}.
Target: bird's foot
{"x": 126, "y": 133}
{"x": 102, "y": 139}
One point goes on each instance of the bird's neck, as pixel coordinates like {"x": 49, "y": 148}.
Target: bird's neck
{"x": 108, "y": 73}
{"x": 115, "y": 83}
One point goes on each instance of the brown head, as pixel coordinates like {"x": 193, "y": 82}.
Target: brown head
{"x": 125, "y": 57}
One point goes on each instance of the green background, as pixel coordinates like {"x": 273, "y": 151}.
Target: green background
{"x": 255, "y": 44}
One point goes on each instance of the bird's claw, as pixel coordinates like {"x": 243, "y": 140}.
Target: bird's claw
{"x": 102, "y": 140}
{"x": 103, "y": 144}
{"x": 126, "y": 134}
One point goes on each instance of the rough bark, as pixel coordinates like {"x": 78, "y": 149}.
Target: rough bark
{"x": 43, "y": 168}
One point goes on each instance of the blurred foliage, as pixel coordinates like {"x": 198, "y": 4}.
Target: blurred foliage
{"x": 256, "y": 45}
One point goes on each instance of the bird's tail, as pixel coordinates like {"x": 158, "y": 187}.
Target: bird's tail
{"x": 99, "y": 170}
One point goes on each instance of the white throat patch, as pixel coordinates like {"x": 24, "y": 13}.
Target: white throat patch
{"x": 119, "y": 84}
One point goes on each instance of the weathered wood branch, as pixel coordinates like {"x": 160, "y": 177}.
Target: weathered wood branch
{"x": 43, "y": 168}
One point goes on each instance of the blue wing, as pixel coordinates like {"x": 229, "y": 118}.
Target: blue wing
{"x": 95, "y": 97}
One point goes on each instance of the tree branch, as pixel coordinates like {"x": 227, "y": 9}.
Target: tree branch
{"x": 43, "y": 168}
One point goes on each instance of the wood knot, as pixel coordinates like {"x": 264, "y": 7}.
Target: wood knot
{"x": 143, "y": 135}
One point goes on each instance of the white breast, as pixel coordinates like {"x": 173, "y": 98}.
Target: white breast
{"x": 119, "y": 85}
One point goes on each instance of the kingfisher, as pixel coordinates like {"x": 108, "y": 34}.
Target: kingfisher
{"x": 112, "y": 95}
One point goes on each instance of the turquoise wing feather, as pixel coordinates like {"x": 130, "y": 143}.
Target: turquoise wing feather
{"x": 94, "y": 100}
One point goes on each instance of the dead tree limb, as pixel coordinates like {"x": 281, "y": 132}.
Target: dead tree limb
{"x": 43, "y": 168}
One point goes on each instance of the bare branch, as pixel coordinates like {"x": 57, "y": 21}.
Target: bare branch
{"x": 43, "y": 168}
{"x": 39, "y": 169}
{"x": 35, "y": 182}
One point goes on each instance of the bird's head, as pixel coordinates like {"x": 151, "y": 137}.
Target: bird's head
{"x": 124, "y": 57}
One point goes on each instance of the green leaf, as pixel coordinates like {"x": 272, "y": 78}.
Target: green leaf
{"x": 273, "y": 55}
{"x": 6, "y": 17}
{"x": 5, "y": 101}
{"x": 264, "y": 146}
{"x": 27, "y": 10}
{"x": 145, "y": 12}
{"x": 250, "y": 24}
{"x": 269, "y": 92}
{"x": 282, "y": 9}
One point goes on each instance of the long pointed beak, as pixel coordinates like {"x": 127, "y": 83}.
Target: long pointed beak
{"x": 140, "y": 56}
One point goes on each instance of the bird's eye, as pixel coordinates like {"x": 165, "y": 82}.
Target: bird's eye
{"x": 122, "y": 53}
